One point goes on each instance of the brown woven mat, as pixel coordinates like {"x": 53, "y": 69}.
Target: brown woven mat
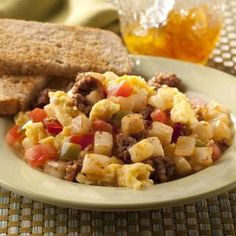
{"x": 214, "y": 216}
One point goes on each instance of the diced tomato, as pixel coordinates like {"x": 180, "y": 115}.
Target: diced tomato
{"x": 53, "y": 127}
{"x": 122, "y": 90}
{"x": 37, "y": 115}
{"x": 84, "y": 140}
{"x": 160, "y": 116}
{"x": 39, "y": 154}
{"x": 100, "y": 125}
{"x": 13, "y": 136}
{"x": 216, "y": 154}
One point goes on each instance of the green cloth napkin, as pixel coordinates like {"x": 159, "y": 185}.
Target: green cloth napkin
{"x": 94, "y": 13}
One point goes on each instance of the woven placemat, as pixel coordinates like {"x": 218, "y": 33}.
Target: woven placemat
{"x": 214, "y": 216}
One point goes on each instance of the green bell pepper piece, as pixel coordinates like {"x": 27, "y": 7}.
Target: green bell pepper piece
{"x": 70, "y": 151}
{"x": 117, "y": 117}
{"x": 199, "y": 143}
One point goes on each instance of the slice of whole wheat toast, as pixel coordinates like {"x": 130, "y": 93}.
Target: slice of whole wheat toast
{"x": 33, "y": 48}
{"x": 18, "y": 92}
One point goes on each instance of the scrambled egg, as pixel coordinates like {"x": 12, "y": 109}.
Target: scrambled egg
{"x": 102, "y": 170}
{"x": 163, "y": 99}
{"x": 104, "y": 110}
{"x": 134, "y": 175}
{"x": 21, "y": 118}
{"x": 182, "y": 111}
{"x": 35, "y": 131}
{"x": 50, "y": 141}
{"x": 61, "y": 107}
{"x": 138, "y": 83}
{"x": 99, "y": 169}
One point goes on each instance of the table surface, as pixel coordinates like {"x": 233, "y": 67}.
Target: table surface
{"x": 213, "y": 216}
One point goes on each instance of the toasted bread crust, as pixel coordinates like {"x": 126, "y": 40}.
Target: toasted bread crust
{"x": 18, "y": 92}
{"x": 33, "y": 48}
{"x": 9, "y": 106}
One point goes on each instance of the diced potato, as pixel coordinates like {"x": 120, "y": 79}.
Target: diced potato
{"x": 162, "y": 131}
{"x": 109, "y": 76}
{"x": 62, "y": 115}
{"x": 135, "y": 102}
{"x": 182, "y": 166}
{"x": 140, "y": 101}
{"x": 204, "y": 130}
{"x": 182, "y": 111}
{"x": 222, "y": 117}
{"x": 169, "y": 150}
{"x": 185, "y": 146}
{"x": 132, "y": 124}
{"x": 66, "y": 131}
{"x": 157, "y": 101}
{"x": 104, "y": 110}
{"x": 94, "y": 97}
{"x": 107, "y": 178}
{"x": 157, "y": 147}
{"x": 49, "y": 109}
{"x": 80, "y": 124}
{"x": 103, "y": 143}
{"x": 55, "y": 168}
{"x": 27, "y": 143}
{"x": 221, "y": 131}
{"x": 214, "y": 109}
{"x": 85, "y": 179}
{"x": 141, "y": 151}
{"x": 110, "y": 177}
{"x": 126, "y": 103}
{"x": 134, "y": 175}
{"x": 115, "y": 160}
{"x": 201, "y": 157}
{"x": 94, "y": 164}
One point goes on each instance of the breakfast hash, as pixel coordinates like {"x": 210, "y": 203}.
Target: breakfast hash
{"x": 121, "y": 131}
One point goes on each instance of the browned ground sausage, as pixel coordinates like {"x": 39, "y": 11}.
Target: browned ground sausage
{"x": 72, "y": 169}
{"x": 43, "y": 99}
{"x": 123, "y": 143}
{"x": 170, "y": 80}
{"x": 84, "y": 85}
{"x": 164, "y": 168}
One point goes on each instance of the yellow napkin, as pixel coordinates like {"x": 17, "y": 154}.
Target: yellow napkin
{"x": 94, "y": 13}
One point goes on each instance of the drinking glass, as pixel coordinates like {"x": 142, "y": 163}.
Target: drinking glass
{"x": 180, "y": 29}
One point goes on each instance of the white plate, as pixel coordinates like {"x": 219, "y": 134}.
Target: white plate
{"x": 19, "y": 177}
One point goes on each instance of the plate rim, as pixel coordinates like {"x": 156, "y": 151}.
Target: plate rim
{"x": 117, "y": 207}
